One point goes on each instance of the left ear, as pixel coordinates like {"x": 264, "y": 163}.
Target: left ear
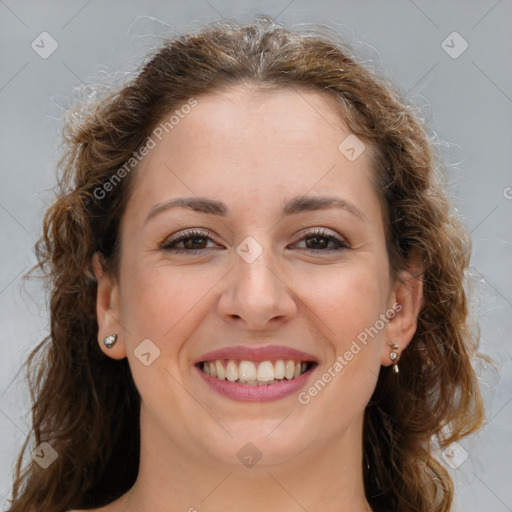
{"x": 406, "y": 301}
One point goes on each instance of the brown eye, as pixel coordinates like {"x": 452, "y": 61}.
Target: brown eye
{"x": 318, "y": 241}
{"x": 193, "y": 241}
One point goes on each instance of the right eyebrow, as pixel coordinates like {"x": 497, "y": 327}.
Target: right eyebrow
{"x": 198, "y": 204}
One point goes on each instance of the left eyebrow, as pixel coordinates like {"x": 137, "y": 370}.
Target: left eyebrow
{"x": 302, "y": 203}
{"x": 292, "y": 207}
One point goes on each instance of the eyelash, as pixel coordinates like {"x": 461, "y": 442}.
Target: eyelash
{"x": 170, "y": 244}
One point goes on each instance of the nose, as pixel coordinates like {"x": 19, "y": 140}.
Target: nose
{"x": 256, "y": 295}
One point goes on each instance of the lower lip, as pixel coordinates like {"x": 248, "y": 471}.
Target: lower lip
{"x": 249, "y": 393}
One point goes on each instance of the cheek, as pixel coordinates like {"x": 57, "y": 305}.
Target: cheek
{"x": 347, "y": 301}
{"x": 349, "y": 305}
{"x": 163, "y": 303}
{"x": 165, "y": 306}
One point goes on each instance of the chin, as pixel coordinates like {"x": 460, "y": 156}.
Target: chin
{"x": 257, "y": 444}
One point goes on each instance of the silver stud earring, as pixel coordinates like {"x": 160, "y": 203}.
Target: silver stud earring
{"x": 394, "y": 356}
{"x": 110, "y": 341}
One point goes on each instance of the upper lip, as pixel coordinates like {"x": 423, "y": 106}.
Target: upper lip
{"x": 247, "y": 353}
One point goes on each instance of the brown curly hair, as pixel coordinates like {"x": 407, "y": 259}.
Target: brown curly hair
{"x": 86, "y": 404}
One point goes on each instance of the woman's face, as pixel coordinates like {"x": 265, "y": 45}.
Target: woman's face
{"x": 274, "y": 253}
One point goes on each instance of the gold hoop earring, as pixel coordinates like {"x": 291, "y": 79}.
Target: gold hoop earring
{"x": 394, "y": 356}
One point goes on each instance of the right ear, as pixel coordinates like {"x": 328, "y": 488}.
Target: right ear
{"x": 108, "y": 310}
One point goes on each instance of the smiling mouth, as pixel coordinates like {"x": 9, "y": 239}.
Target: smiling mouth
{"x": 253, "y": 373}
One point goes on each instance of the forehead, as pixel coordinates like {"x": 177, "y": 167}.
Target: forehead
{"x": 245, "y": 141}
{"x": 250, "y": 116}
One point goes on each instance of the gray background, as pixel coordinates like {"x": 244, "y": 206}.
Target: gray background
{"x": 467, "y": 100}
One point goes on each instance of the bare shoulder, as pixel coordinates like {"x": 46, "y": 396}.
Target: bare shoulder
{"x": 115, "y": 506}
{"x": 102, "y": 509}
{"x": 107, "y": 508}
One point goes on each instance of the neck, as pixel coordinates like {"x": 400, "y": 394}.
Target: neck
{"x": 327, "y": 478}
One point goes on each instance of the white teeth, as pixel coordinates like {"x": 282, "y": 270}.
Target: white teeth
{"x": 231, "y": 371}
{"x": 254, "y": 373}
{"x": 289, "y": 370}
{"x": 279, "y": 369}
{"x": 221, "y": 373}
{"x": 247, "y": 371}
{"x": 265, "y": 371}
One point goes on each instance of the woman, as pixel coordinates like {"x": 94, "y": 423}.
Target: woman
{"x": 257, "y": 296}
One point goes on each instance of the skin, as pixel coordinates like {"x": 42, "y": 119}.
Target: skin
{"x": 253, "y": 152}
